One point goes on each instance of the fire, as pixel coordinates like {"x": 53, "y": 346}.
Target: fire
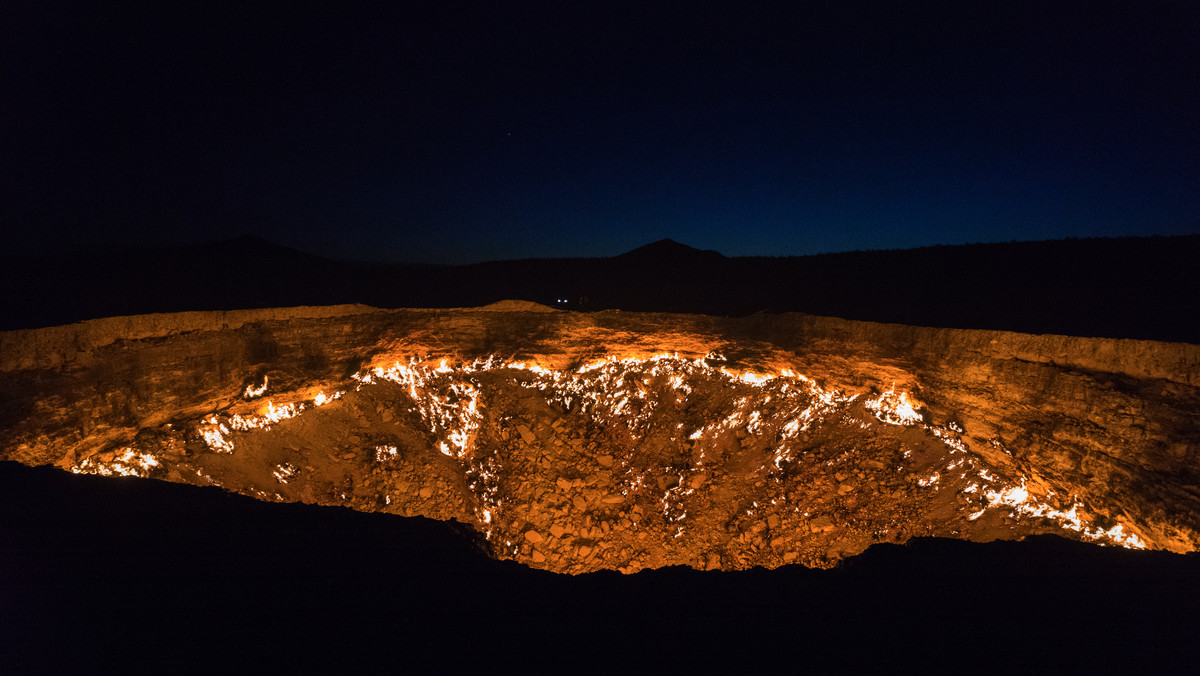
{"x": 276, "y": 413}
{"x": 1021, "y": 502}
{"x": 321, "y": 399}
{"x": 454, "y": 416}
{"x": 129, "y": 463}
{"x": 448, "y": 398}
{"x": 214, "y": 432}
{"x": 284, "y": 472}
{"x": 754, "y": 378}
{"x": 616, "y": 387}
{"x": 252, "y": 391}
{"x": 216, "y": 429}
{"x": 894, "y": 408}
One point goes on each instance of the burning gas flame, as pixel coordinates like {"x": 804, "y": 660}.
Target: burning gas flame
{"x": 1020, "y": 501}
{"x": 252, "y": 391}
{"x": 448, "y": 398}
{"x": 894, "y": 408}
{"x": 129, "y": 463}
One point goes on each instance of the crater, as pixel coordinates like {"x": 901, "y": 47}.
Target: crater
{"x": 625, "y": 441}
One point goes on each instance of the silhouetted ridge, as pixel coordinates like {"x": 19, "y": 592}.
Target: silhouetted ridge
{"x": 669, "y": 251}
{"x": 1133, "y": 287}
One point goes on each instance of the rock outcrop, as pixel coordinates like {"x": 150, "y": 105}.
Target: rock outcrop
{"x": 577, "y": 442}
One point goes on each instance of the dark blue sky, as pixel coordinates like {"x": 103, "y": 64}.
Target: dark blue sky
{"x": 475, "y": 131}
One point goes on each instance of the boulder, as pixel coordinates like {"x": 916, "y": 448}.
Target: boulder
{"x": 821, "y": 524}
{"x": 526, "y": 435}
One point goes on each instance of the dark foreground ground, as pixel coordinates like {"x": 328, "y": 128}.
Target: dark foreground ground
{"x": 108, "y": 575}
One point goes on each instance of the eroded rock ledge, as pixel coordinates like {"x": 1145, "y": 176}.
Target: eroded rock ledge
{"x": 578, "y": 442}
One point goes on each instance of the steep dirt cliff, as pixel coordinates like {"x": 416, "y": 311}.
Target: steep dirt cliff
{"x": 577, "y": 442}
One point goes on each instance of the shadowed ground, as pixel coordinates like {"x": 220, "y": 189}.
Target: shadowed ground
{"x": 108, "y": 574}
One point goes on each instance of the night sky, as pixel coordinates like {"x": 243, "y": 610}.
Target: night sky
{"x": 446, "y": 132}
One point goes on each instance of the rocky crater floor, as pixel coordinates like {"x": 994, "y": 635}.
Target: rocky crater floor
{"x": 577, "y": 442}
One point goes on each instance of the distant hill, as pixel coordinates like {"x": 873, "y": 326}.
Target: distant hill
{"x": 669, "y": 251}
{"x": 1120, "y": 288}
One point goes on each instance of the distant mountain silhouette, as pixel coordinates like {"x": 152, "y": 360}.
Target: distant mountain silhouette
{"x": 668, "y": 250}
{"x": 1119, "y": 288}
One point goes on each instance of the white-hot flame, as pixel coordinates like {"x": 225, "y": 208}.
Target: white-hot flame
{"x": 276, "y": 413}
{"x": 321, "y": 399}
{"x": 252, "y": 391}
{"x": 894, "y": 408}
{"x": 1020, "y": 501}
{"x": 128, "y": 463}
{"x": 385, "y": 453}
